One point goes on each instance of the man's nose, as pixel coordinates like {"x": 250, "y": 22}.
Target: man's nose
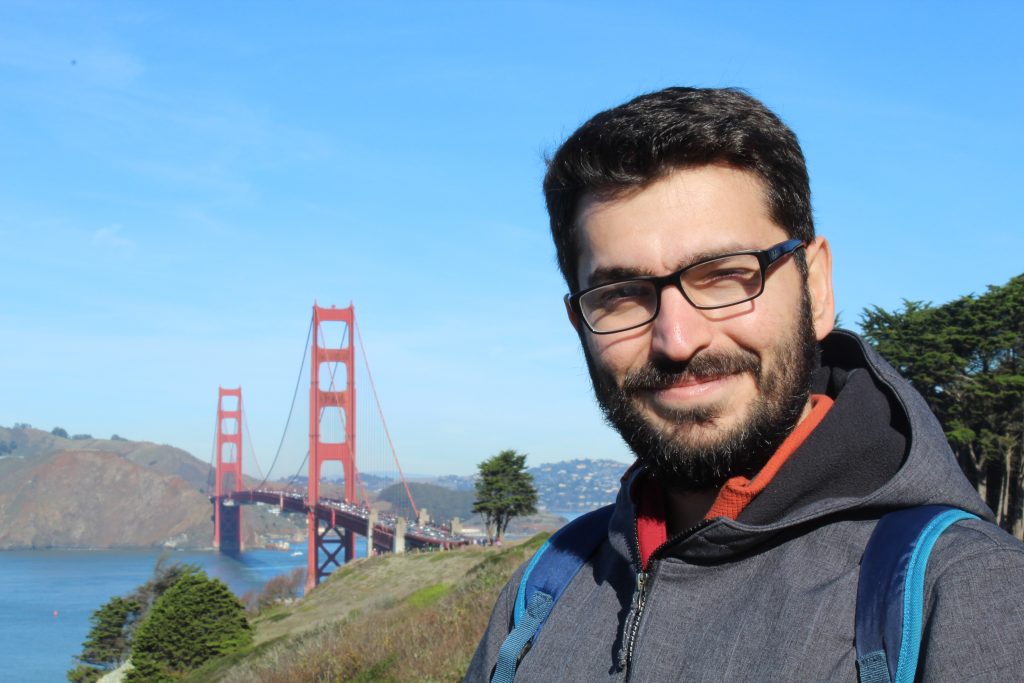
{"x": 680, "y": 330}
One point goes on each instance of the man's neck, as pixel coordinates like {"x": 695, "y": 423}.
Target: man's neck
{"x": 685, "y": 509}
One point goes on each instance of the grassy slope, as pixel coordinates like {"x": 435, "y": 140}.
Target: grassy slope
{"x": 414, "y": 617}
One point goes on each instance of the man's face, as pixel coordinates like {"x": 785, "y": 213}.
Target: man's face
{"x": 701, "y": 396}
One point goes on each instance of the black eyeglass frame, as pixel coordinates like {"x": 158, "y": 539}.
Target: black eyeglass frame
{"x": 765, "y": 257}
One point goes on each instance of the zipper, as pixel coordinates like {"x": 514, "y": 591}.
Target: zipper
{"x": 643, "y": 585}
{"x": 633, "y": 620}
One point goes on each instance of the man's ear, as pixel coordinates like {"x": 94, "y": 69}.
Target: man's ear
{"x": 574, "y": 319}
{"x": 819, "y": 286}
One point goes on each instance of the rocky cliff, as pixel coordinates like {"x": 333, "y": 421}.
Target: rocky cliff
{"x": 99, "y": 493}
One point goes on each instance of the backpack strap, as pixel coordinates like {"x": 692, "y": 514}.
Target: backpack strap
{"x": 545, "y": 578}
{"x": 890, "y": 592}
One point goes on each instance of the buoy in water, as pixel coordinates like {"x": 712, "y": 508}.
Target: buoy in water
{"x": 55, "y": 613}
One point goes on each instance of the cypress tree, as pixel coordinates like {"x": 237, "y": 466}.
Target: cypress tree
{"x": 195, "y": 620}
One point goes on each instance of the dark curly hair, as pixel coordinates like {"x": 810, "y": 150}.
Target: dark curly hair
{"x": 637, "y": 143}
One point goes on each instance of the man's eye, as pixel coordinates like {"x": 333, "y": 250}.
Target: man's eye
{"x": 726, "y": 276}
{"x": 729, "y": 270}
{"x": 729, "y": 274}
{"x": 623, "y": 291}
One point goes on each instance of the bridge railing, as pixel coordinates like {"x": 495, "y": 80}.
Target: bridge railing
{"x": 418, "y": 535}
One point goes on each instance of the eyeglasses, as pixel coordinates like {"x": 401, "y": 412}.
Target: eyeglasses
{"x": 716, "y": 282}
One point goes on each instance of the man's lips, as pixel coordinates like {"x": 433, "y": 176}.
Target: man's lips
{"x": 702, "y": 381}
{"x": 690, "y": 388}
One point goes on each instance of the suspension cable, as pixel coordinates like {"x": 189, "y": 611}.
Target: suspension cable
{"x": 212, "y": 471}
{"x": 380, "y": 411}
{"x": 362, "y": 489}
{"x": 295, "y": 395}
{"x": 294, "y": 478}
{"x": 252, "y": 448}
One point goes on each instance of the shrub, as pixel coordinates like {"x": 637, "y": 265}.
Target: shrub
{"x": 85, "y": 674}
{"x": 195, "y": 620}
{"x": 282, "y": 588}
{"x": 107, "y": 644}
{"x": 109, "y": 640}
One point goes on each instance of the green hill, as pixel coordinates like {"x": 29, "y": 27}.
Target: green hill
{"x": 440, "y": 502}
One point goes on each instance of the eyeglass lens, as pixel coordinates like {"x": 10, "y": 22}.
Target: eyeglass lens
{"x": 714, "y": 284}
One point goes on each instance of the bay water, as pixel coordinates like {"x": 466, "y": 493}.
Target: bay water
{"x": 47, "y": 596}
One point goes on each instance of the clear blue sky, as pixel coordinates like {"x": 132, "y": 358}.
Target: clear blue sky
{"x": 180, "y": 180}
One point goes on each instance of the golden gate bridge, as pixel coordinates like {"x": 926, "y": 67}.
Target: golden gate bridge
{"x": 333, "y": 522}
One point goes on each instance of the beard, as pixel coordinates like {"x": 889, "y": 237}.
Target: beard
{"x": 686, "y": 454}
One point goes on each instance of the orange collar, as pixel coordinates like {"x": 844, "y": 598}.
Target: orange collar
{"x": 737, "y": 492}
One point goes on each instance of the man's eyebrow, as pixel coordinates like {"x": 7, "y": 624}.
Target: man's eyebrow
{"x": 711, "y": 254}
{"x": 605, "y": 274}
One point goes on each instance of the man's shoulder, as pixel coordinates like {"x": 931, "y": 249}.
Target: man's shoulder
{"x": 974, "y": 615}
{"x": 974, "y": 545}
{"x": 976, "y": 572}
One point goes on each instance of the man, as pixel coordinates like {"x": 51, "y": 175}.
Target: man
{"x": 767, "y": 445}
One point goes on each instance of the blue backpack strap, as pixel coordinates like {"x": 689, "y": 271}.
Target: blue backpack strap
{"x": 890, "y": 593}
{"x": 545, "y": 578}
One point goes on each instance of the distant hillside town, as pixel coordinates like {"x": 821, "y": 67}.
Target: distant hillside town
{"x": 569, "y": 486}
{"x": 578, "y": 485}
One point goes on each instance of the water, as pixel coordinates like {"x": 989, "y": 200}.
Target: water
{"x": 47, "y": 597}
{"x": 569, "y": 516}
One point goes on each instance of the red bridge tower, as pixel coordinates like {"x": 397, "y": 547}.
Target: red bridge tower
{"x": 340, "y": 396}
{"x": 227, "y": 515}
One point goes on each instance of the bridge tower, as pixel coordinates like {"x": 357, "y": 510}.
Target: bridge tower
{"x": 227, "y": 514}
{"x": 331, "y": 391}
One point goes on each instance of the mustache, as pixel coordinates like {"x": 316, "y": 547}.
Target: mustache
{"x": 663, "y": 373}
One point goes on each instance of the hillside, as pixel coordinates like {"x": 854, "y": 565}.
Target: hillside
{"x": 58, "y": 492}
{"x": 81, "y": 492}
{"x": 440, "y": 502}
{"x": 393, "y": 618}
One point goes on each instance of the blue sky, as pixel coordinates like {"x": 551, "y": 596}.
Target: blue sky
{"x": 180, "y": 181}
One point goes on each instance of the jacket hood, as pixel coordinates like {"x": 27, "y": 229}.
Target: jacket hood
{"x": 878, "y": 448}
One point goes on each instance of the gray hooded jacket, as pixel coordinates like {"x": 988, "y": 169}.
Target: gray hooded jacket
{"x": 771, "y": 596}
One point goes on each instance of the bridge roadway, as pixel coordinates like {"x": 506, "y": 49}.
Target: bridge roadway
{"x": 356, "y": 519}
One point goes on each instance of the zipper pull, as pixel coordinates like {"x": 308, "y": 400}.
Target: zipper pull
{"x": 632, "y": 623}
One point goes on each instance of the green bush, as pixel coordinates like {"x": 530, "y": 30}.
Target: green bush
{"x": 195, "y": 620}
{"x": 108, "y": 642}
{"x": 85, "y": 674}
